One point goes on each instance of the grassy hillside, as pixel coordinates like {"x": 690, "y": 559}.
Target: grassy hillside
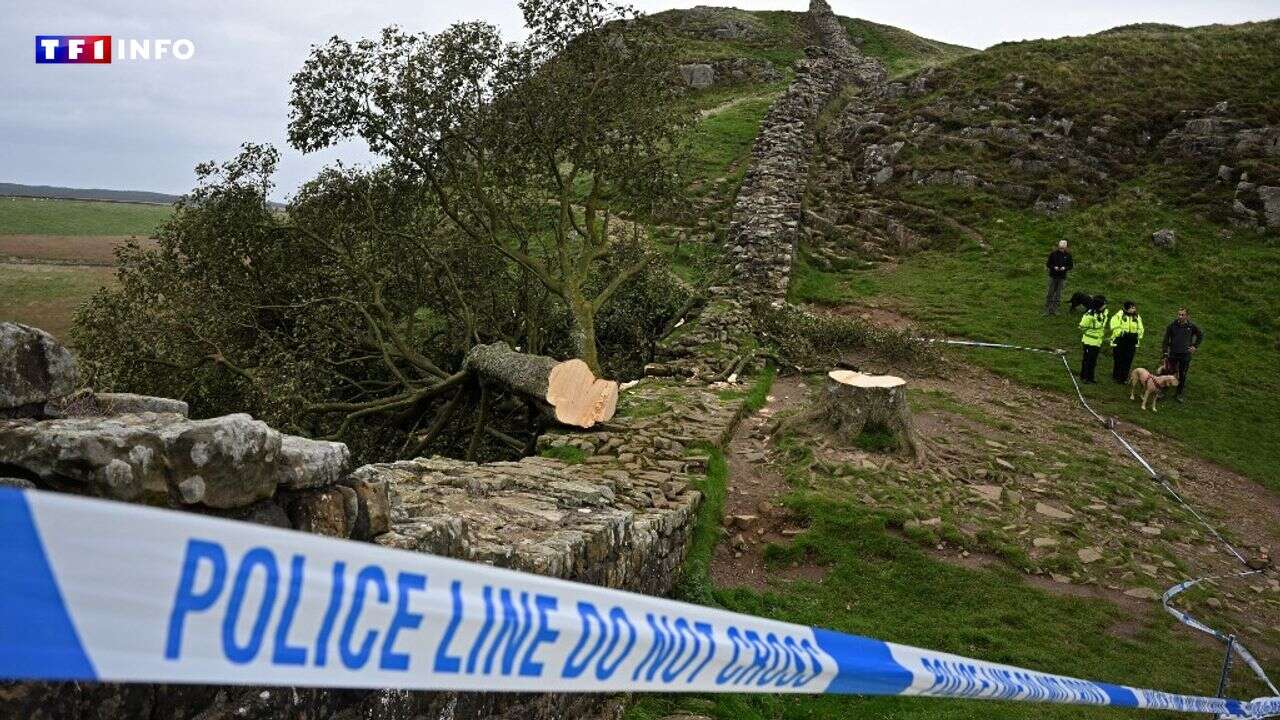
{"x": 902, "y": 52}
{"x": 1144, "y": 75}
{"x": 864, "y": 570}
{"x": 1092, "y": 119}
{"x": 730, "y": 113}
{"x": 1227, "y": 278}
{"x": 28, "y": 216}
{"x": 780, "y": 38}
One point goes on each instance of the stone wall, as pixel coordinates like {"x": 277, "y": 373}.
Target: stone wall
{"x": 615, "y": 506}
{"x": 134, "y": 448}
{"x": 618, "y": 511}
{"x": 767, "y": 215}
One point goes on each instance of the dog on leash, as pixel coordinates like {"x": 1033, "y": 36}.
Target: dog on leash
{"x": 1152, "y": 385}
{"x": 1081, "y": 300}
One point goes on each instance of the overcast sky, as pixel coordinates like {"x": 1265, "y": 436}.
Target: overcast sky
{"x": 144, "y": 125}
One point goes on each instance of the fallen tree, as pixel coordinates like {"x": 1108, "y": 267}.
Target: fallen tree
{"x": 565, "y": 390}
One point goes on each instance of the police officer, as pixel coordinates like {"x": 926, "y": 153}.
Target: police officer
{"x": 1127, "y": 331}
{"x": 1094, "y": 325}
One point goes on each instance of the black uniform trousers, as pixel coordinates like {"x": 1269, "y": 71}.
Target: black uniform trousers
{"x": 1122, "y": 354}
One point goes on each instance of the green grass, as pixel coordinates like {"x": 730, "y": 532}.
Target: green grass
{"x": 695, "y": 578}
{"x": 565, "y": 453}
{"x": 1141, "y": 76}
{"x": 1226, "y": 277}
{"x": 758, "y": 395}
{"x": 46, "y": 296}
{"x": 779, "y": 37}
{"x": 902, "y": 52}
{"x": 876, "y": 585}
{"x": 881, "y": 585}
{"x": 695, "y": 575}
{"x": 776, "y": 37}
{"x": 720, "y": 144}
{"x": 29, "y": 216}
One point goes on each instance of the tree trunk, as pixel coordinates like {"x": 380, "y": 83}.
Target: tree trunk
{"x": 566, "y": 391}
{"x": 854, "y": 402}
{"x": 584, "y": 333}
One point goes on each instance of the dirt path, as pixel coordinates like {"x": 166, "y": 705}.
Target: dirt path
{"x": 716, "y": 110}
{"x": 753, "y": 515}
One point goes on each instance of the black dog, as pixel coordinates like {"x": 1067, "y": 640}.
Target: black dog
{"x": 1082, "y": 300}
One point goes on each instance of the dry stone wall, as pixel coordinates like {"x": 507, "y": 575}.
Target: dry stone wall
{"x": 767, "y": 215}
{"x": 614, "y": 506}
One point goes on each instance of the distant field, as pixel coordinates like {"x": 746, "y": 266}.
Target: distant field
{"x": 47, "y": 296}
{"x": 31, "y": 216}
{"x": 65, "y": 249}
{"x": 55, "y": 254}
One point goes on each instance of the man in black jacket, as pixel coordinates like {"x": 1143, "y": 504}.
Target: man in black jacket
{"x": 1059, "y": 264}
{"x": 1180, "y": 342}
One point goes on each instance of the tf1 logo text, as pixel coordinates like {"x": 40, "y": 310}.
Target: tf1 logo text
{"x": 102, "y": 49}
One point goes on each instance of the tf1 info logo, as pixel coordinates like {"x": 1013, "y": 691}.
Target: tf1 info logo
{"x": 100, "y": 49}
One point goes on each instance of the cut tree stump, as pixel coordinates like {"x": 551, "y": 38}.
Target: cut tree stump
{"x": 567, "y": 391}
{"x": 854, "y": 401}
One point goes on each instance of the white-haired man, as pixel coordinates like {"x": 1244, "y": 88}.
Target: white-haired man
{"x": 1059, "y": 264}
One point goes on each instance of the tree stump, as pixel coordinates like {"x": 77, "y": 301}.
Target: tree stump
{"x": 567, "y": 391}
{"x": 854, "y": 402}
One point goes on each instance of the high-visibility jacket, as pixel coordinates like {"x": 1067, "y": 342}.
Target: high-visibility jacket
{"x": 1094, "y": 326}
{"x": 1122, "y": 324}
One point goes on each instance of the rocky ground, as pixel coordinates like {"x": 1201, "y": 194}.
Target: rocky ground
{"x": 1022, "y": 478}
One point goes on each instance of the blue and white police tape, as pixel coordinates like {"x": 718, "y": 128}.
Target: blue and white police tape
{"x": 1190, "y": 621}
{"x": 95, "y": 590}
{"x": 1006, "y": 346}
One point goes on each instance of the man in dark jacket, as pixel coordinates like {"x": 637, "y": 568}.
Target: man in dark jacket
{"x": 1059, "y": 264}
{"x": 1181, "y": 339}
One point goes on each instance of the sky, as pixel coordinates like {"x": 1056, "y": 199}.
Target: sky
{"x": 145, "y": 125}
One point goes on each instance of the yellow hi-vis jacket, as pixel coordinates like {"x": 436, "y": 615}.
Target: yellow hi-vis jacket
{"x": 1122, "y": 324}
{"x": 1094, "y": 326}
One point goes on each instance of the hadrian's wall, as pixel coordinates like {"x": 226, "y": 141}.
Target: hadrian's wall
{"x": 621, "y": 517}
{"x": 768, "y": 213}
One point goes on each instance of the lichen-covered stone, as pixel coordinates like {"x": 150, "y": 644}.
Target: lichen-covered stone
{"x": 306, "y": 463}
{"x": 34, "y": 369}
{"x": 373, "y": 516}
{"x": 332, "y": 511}
{"x": 128, "y": 404}
{"x": 162, "y": 459}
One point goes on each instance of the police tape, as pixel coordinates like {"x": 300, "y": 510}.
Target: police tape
{"x": 1233, "y": 644}
{"x": 977, "y": 343}
{"x": 97, "y": 590}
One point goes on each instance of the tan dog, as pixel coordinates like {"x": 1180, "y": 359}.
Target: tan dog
{"x": 1152, "y": 385}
